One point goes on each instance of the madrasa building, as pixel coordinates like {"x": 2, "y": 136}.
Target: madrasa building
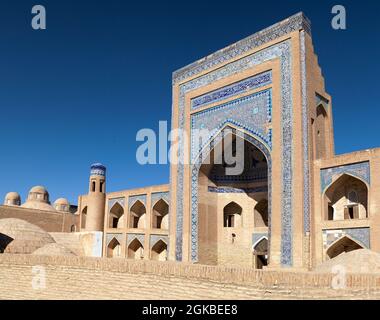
{"x": 295, "y": 204}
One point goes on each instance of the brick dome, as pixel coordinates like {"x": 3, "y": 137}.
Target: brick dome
{"x": 53, "y": 249}
{"x": 19, "y": 236}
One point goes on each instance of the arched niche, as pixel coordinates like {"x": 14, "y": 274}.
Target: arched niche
{"x": 346, "y": 199}
{"x": 135, "y": 250}
{"x": 159, "y": 251}
{"x": 116, "y": 216}
{"x": 160, "y": 218}
{"x": 114, "y": 249}
{"x": 137, "y": 215}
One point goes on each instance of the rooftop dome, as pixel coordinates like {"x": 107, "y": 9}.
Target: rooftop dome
{"x": 38, "y": 198}
{"x": 20, "y": 236}
{"x": 98, "y": 169}
{"x": 38, "y": 189}
{"x": 62, "y": 204}
{"x": 12, "y": 199}
{"x": 54, "y": 249}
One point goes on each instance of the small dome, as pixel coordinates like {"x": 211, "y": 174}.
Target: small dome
{"x": 62, "y": 204}
{"x": 62, "y": 201}
{"x": 20, "y": 236}
{"x": 38, "y": 198}
{"x": 12, "y": 199}
{"x": 38, "y": 189}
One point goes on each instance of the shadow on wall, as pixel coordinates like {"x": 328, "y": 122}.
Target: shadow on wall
{"x": 4, "y": 242}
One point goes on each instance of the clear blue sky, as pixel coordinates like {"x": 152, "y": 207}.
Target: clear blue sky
{"x": 78, "y": 92}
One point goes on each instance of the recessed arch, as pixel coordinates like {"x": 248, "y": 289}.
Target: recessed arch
{"x": 160, "y": 218}
{"x": 83, "y": 217}
{"x": 343, "y": 245}
{"x": 135, "y": 250}
{"x": 346, "y": 198}
{"x": 114, "y": 249}
{"x": 205, "y": 250}
{"x": 137, "y": 215}
{"x": 159, "y": 251}
{"x": 116, "y": 216}
{"x": 261, "y": 214}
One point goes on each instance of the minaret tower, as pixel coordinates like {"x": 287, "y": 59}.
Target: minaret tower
{"x": 96, "y": 198}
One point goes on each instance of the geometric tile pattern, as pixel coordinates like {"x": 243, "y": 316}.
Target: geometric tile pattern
{"x": 154, "y": 238}
{"x": 283, "y": 52}
{"x": 133, "y": 236}
{"x": 296, "y": 22}
{"x": 362, "y": 235}
{"x": 133, "y": 199}
{"x": 305, "y": 139}
{"x": 232, "y": 90}
{"x": 359, "y": 170}
{"x": 117, "y": 236}
{"x": 160, "y": 195}
{"x": 195, "y": 76}
{"x": 237, "y": 190}
{"x": 112, "y": 202}
{"x": 252, "y": 113}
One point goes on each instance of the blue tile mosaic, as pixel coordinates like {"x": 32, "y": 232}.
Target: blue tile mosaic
{"x": 282, "y": 51}
{"x": 254, "y": 82}
{"x": 359, "y": 170}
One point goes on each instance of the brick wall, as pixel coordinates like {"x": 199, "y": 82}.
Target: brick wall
{"x": 46, "y": 220}
{"x": 101, "y": 278}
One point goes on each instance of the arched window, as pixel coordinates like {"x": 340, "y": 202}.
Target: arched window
{"x": 232, "y": 215}
{"x": 73, "y": 228}
{"x": 261, "y": 214}
{"x": 137, "y": 215}
{"x": 116, "y": 216}
{"x": 159, "y": 251}
{"x": 160, "y": 219}
{"x": 114, "y": 249}
{"x": 93, "y": 184}
{"x": 344, "y": 244}
{"x": 135, "y": 250}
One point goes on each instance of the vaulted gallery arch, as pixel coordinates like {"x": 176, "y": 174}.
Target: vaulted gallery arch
{"x": 135, "y": 250}
{"x": 116, "y": 216}
{"x": 159, "y": 251}
{"x": 226, "y": 202}
{"x": 137, "y": 215}
{"x": 114, "y": 249}
{"x": 346, "y": 199}
{"x": 160, "y": 215}
{"x": 343, "y": 245}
